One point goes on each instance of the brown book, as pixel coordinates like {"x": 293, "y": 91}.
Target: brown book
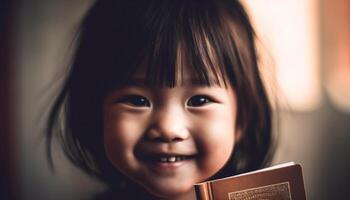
{"x": 280, "y": 182}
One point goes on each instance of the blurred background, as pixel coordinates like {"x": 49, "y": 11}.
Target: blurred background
{"x": 307, "y": 66}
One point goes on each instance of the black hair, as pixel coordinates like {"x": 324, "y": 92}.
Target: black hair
{"x": 213, "y": 37}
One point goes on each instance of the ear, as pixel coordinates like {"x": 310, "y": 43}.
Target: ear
{"x": 238, "y": 135}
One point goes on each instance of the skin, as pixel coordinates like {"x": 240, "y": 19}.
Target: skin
{"x": 142, "y": 124}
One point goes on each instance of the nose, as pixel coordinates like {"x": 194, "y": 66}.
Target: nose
{"x": 168, "y": 125}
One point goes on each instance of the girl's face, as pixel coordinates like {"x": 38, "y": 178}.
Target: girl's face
{"x": 168, "y": 139}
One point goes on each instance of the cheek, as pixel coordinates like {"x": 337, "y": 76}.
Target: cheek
{"x": 216, "y": 140}
{"x": 121, "y": 133}
{"x": 216, "y": 128}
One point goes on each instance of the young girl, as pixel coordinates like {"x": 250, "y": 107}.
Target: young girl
{"x": 161, "y": 95}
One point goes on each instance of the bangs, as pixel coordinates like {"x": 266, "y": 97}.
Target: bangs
{"x": 177, "y": 39}
{"x": 182, "y": 42}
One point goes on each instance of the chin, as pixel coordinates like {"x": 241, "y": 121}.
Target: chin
{"x": 166, "y": 191}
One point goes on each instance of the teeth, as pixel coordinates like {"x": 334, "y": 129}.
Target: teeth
{"x": 171, "y": 158}
{"x": 163, "y": 159}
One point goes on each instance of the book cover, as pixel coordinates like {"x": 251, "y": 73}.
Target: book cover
{"x": 280, "y": 182}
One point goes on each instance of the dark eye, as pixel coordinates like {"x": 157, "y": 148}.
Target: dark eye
{"x": 135, "y": 100}
{"x": 199, "y": 100}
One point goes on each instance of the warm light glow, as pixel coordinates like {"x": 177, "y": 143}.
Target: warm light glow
{"x": 288, "y": 30}
{"x": 337, "y": 56}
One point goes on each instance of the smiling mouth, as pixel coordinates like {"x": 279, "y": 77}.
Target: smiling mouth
{"x": 161, "y": 158}
{"x": 170, "y": 159}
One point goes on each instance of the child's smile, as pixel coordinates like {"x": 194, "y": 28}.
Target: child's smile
{"x": 166, "y": 157}
{"x": 167, "y": 139}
